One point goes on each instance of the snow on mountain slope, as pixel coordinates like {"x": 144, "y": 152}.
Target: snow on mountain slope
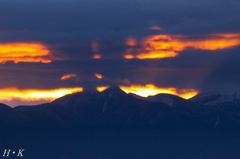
{"x": 215, "y": 98}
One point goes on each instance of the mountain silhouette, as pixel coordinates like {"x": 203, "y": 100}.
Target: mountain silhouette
{"x": 115, "y": 108}
{"x": 114, "y": 124}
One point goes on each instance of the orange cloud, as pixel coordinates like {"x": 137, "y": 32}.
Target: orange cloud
{"x": 156, "y": 54}
{"x": 67, "y": 76}
{"x": 25, "y": 52}
{"x": 179, "y": 43}
{"x": 99, "y": 76}
{"x": 97, "y": 56}
{"x": 95, "y": 46}
{"x": 128, "y": 56}
{"x": 131, "y": 42}
{"x": 163, "y": 46}
{"x": 9, "y": 94}
{"x": 155, "y": 28}
{"x": 150, "y": 90}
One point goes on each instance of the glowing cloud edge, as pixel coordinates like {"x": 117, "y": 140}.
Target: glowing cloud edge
{"x": 29, "y": 95}
{"x": 151, "y": 90}
{"x": 166, "y": 46}
{"x": 25, "y": 52}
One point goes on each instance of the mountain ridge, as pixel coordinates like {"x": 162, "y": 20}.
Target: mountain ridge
{"x": 115, "y": 108}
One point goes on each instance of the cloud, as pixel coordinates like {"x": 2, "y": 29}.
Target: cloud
{"x": 76, "y": 33}
{"x": 31, "y": 95}
{"x": 25, "y": 52}
{"x": 156, "y": 54}
{"x": 99, "y": 76}
{"x": 131, "y": 42}
{"x": 155, "y": 27}
{"x": 95, "y": 46}
{"x": 79, "y": 22}
{"x": 163, "y": 46}
{"x": 68, "y": 76}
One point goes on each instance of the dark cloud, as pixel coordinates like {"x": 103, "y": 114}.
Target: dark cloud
{"x": 68, "y": 28}
{"x": 116, "y": 16}
{"x": 191, "y": 69}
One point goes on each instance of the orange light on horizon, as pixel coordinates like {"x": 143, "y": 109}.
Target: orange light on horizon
{"x": 151, "y": 90}
{"x": 97, "y": 56}
{"x": 102, "y": 88}
{"x": 25, "y": 52}
{"x": 67, "y": 76}
{"x": 99, "y": 76}
{"x": 164, "y": 46}
{"x": 28, "y": 95}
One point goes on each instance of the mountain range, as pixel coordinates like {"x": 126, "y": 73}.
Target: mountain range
{"x": 115, "y": 108}
{"x": 114, "y": 125}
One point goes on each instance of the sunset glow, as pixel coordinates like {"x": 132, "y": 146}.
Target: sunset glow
{"x": 95, "y": 46}
{"x": 25, "y": 52}
{"x": 151, "y": 90}
{"x": 99, "y": 76}
{"x": 97, "y": 56}
{"x": 128, "y": 56}
{"x": 28, "y": 95}
{"x": 101, "y": 88}
{"x": 131, "y": 42}
{"x": 67, "y": 76}
{"x": 155, "y": 28}
{"x": 156, "y": 54}
{"x": 164, "y": 46}
{"x": 179, "y": 43}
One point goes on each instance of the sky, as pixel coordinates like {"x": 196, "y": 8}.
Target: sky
{"x": 49, "y": 48}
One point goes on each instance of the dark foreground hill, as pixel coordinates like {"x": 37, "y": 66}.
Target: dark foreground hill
{"x": 116, "y": 125}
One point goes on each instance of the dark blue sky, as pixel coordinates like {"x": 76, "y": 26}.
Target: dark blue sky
{"x": 69, "y": 27}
